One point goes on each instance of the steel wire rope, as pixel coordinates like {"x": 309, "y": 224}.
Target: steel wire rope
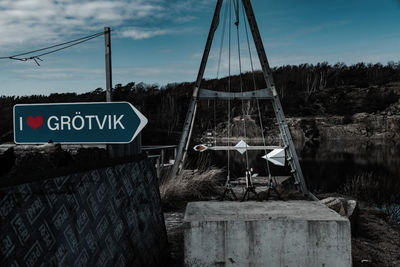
{"x": 222, "y": 39}
{"x": 255, "y": 88}
{"x": 241, "y": 88}
{"x": 218, "y": 68}
{"x": 229, "y": 90}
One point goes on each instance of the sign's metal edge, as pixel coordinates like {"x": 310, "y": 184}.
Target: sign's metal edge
{"x": 14, "y": 124}
{"x": 142, "y": 124}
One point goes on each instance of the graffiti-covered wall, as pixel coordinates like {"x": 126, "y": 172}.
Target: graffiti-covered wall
{"x": 103, "y": 217}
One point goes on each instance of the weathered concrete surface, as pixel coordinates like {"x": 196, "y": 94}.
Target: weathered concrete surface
{"x": 275, "y": 233}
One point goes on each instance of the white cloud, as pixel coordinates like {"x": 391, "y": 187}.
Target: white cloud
{"x": 142, "y": 33}
{"x": 149, "y": 71}
{"x": 28, "y": 24}
{"x": 138, "y": 33}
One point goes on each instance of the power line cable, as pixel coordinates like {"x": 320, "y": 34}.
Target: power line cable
{"x": 64, "y": 45}
{"x": 49, "y": 47}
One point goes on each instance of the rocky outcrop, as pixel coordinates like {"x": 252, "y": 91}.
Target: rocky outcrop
{"x": 360, "y": 125}
{"x": 345, "y": 207}
{"x": 393, "y": 109}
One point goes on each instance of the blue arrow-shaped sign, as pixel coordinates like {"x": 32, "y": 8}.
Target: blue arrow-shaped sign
{"x": 77, "y": 123}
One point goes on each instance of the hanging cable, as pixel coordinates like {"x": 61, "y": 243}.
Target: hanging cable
{"x": 215, "y": 124}
{"x": 241, "y": 86}
{"x": 229, "y": 90}
{"x": 222, "y": 39}
{"x": 61, "y": 46}
{"x": 218, "y": 68}
{"x": 255, "y": 88}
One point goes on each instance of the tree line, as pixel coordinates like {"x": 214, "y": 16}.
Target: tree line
{"x": 305, "y": 90}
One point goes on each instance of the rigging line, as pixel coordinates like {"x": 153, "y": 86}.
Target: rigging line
{"x": 229, "y": 89}
{"x": 62, "y": 48}
{"x": 215, "y": 124}
{"x": 241, "y": 87}
{"x": 222, "y": 39}
{"x": 49, "y": 47}
{"x": 218, "y": 69}
{"x": 255, "y": 88}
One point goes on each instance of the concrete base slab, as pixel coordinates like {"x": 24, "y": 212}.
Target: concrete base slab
{"x": 274, "y": 233}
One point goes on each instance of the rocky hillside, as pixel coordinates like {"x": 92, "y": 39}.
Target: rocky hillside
{"x": 382, "y": 126}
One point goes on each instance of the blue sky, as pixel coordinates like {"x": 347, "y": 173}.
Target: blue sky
{"x": 158, "y": 41}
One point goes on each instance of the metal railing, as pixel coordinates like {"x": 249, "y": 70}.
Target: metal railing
{"x": 164, "y": 155}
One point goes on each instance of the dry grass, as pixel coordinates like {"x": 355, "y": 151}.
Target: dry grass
{"x": 192, "y": 185}
{"x": 363, "y": 186}
{"x": 372, "y": 187}
{"x": 376, "y": 190}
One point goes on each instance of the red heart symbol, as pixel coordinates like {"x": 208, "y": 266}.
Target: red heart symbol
{"x": 35, "y": 122}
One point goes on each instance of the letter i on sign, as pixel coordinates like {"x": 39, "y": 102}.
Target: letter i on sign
{"x": 21, "y": 127}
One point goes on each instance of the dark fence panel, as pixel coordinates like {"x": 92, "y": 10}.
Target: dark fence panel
{"x": 104, "y": 217}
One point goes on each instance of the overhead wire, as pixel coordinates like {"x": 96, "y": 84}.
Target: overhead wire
{"x": 65, "y": 47}
{"x": 60, "y": 46}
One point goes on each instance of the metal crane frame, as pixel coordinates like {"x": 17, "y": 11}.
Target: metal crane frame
{"x": 267, "y": 93}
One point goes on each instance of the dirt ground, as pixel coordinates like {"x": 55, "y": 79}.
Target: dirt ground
{"x": 174, "y": 224}
{"x": 375, "y": 241}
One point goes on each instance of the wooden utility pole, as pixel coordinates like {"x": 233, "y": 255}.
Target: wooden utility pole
{"x": 107, "y": 40}
{"x": 116, "y": 150}
{"x": 107, "y": 45}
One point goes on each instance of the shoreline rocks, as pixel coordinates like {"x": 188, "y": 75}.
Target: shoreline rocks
{"x": 345, "y": 207}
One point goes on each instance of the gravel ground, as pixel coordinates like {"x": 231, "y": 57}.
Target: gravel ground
{"x": 377, "y": 239}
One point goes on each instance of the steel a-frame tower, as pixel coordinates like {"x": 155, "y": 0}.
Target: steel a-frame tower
{"x": 269, "y": 93}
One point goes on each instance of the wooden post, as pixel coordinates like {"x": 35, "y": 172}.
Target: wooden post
{"x": 162, "y": 157}
{"x": 158, "y": 167}
{"x": 107, "y": 46}
{"x": 175, "y": 152}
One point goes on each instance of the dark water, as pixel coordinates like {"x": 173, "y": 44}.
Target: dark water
{"x": 328, "y": 167}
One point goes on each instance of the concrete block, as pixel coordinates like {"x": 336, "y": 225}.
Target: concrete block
{"x": 274, "y": 233}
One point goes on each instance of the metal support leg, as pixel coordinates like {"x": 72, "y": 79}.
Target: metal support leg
{"x": 272, "y": 186}
{"x": 250, "y": 188}
{"x": 228, "y": 189}
{"x": 284, "y": 129}
{"x": 190, "y": 116}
